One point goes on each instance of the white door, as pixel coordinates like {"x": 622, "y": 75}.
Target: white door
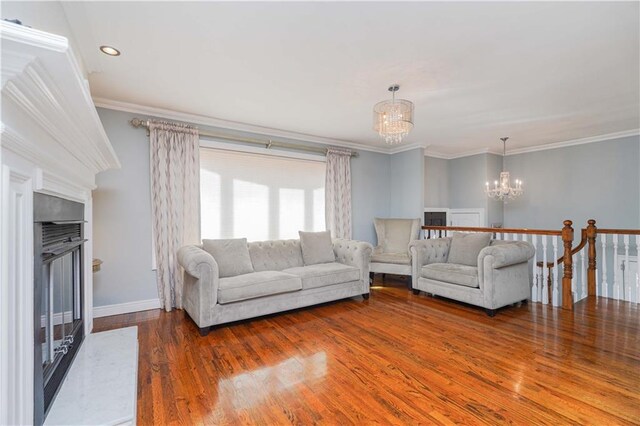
{"x": 470, "y": 217}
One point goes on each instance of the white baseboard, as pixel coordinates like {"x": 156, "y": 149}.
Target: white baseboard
{"x": 125, "y": 308}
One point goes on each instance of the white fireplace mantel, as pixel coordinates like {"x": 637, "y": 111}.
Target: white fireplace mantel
{"x": 52, "y": 141}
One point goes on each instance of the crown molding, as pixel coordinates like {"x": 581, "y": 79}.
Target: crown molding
{"x": 408, "y": 147}
{"x": 444, "y": 156}
{"x": 230, "y": 125}
{"x": 555, "y": 145}
{"x": 267, "y": 131}
{"x": 573, "y": 142}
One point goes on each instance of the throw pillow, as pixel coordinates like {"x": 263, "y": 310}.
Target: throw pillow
{"x": 465, "y": 248}
{"x": 316, "y": 247}
{"x": 232, "y": 256}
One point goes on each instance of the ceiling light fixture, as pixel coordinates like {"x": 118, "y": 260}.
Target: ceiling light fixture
{"x": 108, "y": 50}
{"x": 393, "y": 120}
{"x": 502, "y": 190}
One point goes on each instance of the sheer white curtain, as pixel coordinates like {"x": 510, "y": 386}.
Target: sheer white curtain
{"x": 259, "y": 197}
{"x": 338, "y": 193}
{"x": 175, "y": 195}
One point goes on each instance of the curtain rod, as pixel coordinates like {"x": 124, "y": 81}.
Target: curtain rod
{"x": 137, "y": 122}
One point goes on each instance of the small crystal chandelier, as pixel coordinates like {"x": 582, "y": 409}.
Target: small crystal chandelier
{"x": 503, "y": 190}
{"x": 393, "y": 120}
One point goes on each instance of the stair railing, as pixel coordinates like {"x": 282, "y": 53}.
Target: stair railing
{"x": 580, "y": 278}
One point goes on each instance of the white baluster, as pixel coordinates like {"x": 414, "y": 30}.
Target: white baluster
{"x": 583, "y": 276}
{"x": 626, "y": 278}
{"x": 573, "y": 278}
{"x": 556, "y": 278}
{"x": 498, "y": 236}
{"x": 545, "y": 272}
{"x": 534, "y": 286}
{"x": 605, "y": 284}
{"x": 638, "y": 271}
{"x": 616, "y": 266}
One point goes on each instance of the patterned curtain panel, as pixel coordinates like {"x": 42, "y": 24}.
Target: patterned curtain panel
{"x": 338, "y": 193}
{"x": 175, "y": 198}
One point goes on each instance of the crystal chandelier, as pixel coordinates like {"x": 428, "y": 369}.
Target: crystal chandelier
{"x": 393, "y": 120}
{"x": 502, "y": 190}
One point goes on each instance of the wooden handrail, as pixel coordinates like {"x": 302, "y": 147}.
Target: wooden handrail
{"x": 619, "y": 231}
{"x": 495, "y": 230}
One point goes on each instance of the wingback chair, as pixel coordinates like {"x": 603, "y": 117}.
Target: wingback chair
{"x": 391, "y": 255}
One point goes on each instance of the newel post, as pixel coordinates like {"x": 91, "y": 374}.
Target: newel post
{"x": 567, "y": 239}
{"x": 592, "y": 231}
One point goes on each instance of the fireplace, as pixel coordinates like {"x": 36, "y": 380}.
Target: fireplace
{"x": 58, "y": 294}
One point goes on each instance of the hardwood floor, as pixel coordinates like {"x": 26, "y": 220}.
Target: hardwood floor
{"x": 396, "y": 358}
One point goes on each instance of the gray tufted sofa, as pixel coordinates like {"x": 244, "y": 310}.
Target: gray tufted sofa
{"x": 280, "y": 281}
{"x": 502, "y": 275}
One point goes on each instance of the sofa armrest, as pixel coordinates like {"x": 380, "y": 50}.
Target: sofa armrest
{"x": 355, "y": 253}
{"x": 424, "y": 252}
{"x": 201, "y": 282}
{"x": 504, "y": 273}
{"x": 506, "y": 254}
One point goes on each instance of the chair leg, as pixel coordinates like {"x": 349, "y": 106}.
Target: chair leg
{"x": 410, "y": 282}
{"x": 490, "y": 312}
{"x": 416, "y": 291}
{"x": 384, "y": 277}
{"x": 371, "y": 277}
{"x": 365, "y": 296}
{"x": 204, "y": 331}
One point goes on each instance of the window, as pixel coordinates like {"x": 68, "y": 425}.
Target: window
{"x": 258, "y": 196}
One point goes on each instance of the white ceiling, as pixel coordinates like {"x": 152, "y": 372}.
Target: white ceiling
{"x": 538, "y": 72}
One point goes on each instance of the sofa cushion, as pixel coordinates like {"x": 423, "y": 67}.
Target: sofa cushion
{"x": 316, "y": 247}
{"x": 465, "y": 248}
{"x": 256, "y": 284}
{"x": 275, "y": 255}
{"x": 451, "y": 273}
{"x": 232, "y": 256}
{"x": 325, "y": 274}
{"x": 395, "y": 258}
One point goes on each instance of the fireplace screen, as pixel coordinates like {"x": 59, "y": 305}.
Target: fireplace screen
{"x": 58, "y": 291}
{"x": 60, "y": 306}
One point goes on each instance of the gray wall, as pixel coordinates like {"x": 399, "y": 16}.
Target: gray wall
{"x": 122, "y": 211}
{"x": 370, "y": 186}
{"x": 122, "y": 218}
{"x": 436, "y": 182}
{"x": 598, "y": 180}
{"x": 467, "y": 176}
{"x": 406, "y": 196}
{"x": 592, "y": 181}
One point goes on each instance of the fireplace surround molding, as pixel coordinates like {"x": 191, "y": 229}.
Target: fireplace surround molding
{"x": 51, "y": 142}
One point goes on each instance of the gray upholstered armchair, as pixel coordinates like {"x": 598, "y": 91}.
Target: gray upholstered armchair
{"x": 391, "y": 255}
{"x": 498, "y": 276}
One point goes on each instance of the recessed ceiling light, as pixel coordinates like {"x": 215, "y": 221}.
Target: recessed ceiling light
{"x": 108, "y": 50}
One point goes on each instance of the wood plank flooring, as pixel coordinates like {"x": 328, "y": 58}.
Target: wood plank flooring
{"x": 396, "y": 358}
